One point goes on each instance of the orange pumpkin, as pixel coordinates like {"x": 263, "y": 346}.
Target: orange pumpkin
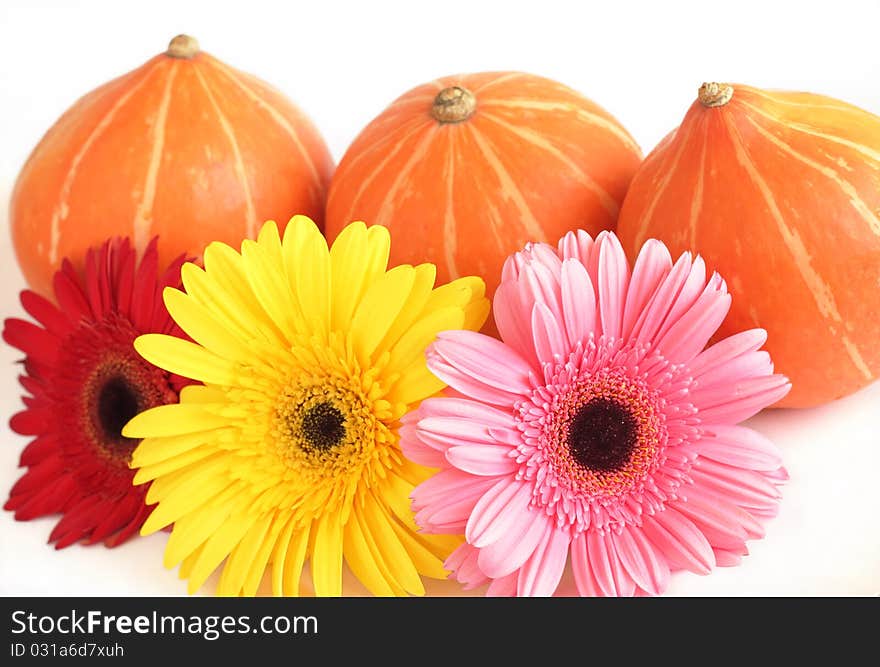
{"x": 466, "y": 169}
{"x": 779, "y": 192}
{"x": 185, "y": 147}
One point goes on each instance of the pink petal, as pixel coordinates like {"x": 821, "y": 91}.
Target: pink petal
{"x": 748, "y": 365}
{"x": 652, "y": 317}
{"x": 444, "y": 432}
{"x": 508, "y": 554}
{"x": 539, "y": 283}
{"x": 609, "y": 574}
{"x": 716, "y": 521}
{"x": 484, "y": 460}
{"x": 541, "y": 573}
{"x": 450, "y": 515}
{"x": 719, "y": 355}
{"x": 613, "y": 284}
{"x": 463, "y": 564}
{"x": 745, "y": 488}
{"x": 549, "y": 339}
{"x": 513, "y": 320}
{"x": 467, "y": 409}
{"x": 725, "y": 558}
{"x": 417, "y": 450}
{"x": 581, "y": 568}
{"x": 652, "y": 265}
{"x": 578, "y": 301}
{"x": 443, "y": 487}
{"x": 465, "y": 383}
{"x": 485, "y": 359}
{"x": 689, "y": 334}
{"x": 577, "y": 245}
{"x": 741, "y": 400}
{"x": 501, "y": 508}
{"x": 693, "y": 286}
{"x": 679, "y": 540}
{"x": 641, "y": 562}
{"x": 503, "y": 587}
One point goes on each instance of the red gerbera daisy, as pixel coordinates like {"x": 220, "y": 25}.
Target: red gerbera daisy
{"x": 85, "y": 381}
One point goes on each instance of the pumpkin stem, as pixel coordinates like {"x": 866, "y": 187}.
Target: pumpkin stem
{"x": 183, "y": 46}
{"x": 715, "y": 94}
{"x": 453, "y": 105}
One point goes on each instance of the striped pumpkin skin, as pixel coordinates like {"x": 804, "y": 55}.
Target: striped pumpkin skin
{"x": 534, "y": 160}
{"x": 780, "y": 193}
{"x": 184, "y": 147}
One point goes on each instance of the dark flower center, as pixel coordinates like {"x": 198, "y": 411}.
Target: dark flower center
{"x": 323, "y": 426}
{"x": 602, "y": 435}
{"x": 118, "y": 402}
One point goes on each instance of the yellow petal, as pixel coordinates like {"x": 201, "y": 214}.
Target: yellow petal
{"x": 173, "y": 419}
{"x": 270, "y": 240}
{"x": 260, "y": 561}
{"x": 218, "y": 547}
{"x": 191, "y": 531}
{"x": 172, "y": 463}
{"x": 307, "y": 262}
{"x": 476, "y": 313}
{"x": 378, "y": 309}
{"x": 272, "y": 291}
{"x": 225, "y": 269}
{"x": 425, "y": 560}
{"x": 411, "y": 347}
{"x": 362, "y": 562}
{"x": 358, "y": 257}
{"x": 295, "y": 556}
{"x": 393, "y": 553}
{"x": 416, "y": 385}
{"x": 425, "y": 274}
{"x": 459, "y": 293}
{"x": 326, "y": 559}
{"x": 203, "y": 327}
{"x": 184, "y": 358}
{"x": 236, "y": 568}
{"x": 204, "y": 483}
{"x": 222, "y": 306}
{"x": 155, "y": 450}
{"x": 279, "y": 553}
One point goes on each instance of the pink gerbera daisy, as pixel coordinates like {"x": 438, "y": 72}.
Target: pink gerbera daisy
{"x": 85, "y": 381}
{"x": 600, "y": 429}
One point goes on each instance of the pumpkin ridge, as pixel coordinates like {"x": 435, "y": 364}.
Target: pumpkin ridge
{"x": 661, "y": 188}
{"x": 141, "y": 223}
{"x": 527, "y": 220}
{"x": 697, "y": 201}
{"x": 58, "y": 212}
{"x": 845, "y": 186}
{"x": 251, "y": 222}
{"x": 582, "y": 114}
{"x": 419, "y": 126}
{"x": 418, "y": 151}
{"x": 863, "y": 149}
{"x": 778, "y": 99}
{"x": 275, "y": 115}
{"x": 449, "y": 223}
{"x": 494, "y": 82}
{"x": 611, "y": 205}
{"x": 815, "y": 283}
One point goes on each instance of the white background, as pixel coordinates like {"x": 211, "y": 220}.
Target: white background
{"x": 342, "y": 63}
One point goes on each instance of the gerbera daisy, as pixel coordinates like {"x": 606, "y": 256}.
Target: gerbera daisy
{"x": 599, "y": 429}
{"x": 85, "y": 382}
{"x": 290, "y": 451}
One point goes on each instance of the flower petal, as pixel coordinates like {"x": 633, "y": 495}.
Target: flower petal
{"x": 500, "y": 509}
{"x": 487, "y": 460}
{"x": 540, "y": 575}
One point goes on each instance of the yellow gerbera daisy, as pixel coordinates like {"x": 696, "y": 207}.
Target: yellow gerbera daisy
{"x": 289, "y": 452}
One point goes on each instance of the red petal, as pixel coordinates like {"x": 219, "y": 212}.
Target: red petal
{"x": 33, "y": 421}
{"x": 31, "y": 339}
{"x": 46, "y": 313}
{"x": 132, "y": 527}
{"x": 77, "y": 521}
{"x": 69, "y": 293}
{"x": 38, "y": 449}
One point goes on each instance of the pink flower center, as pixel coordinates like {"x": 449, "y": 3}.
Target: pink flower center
{"x": 595, "y": 436}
